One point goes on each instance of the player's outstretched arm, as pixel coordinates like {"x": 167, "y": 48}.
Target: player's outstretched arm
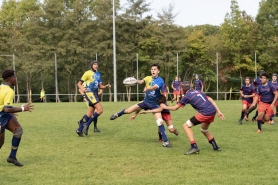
{"x": 219, "y": 113}
{"x": 25, "y": 107}
{"x": 140, "y": 82}
{"x": 174, "y": 107}
{"x": 104, "y": 86}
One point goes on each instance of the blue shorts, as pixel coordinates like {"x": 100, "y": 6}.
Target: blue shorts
{"x": 146, "y": 106}
{"x": 4, "y": 119}
{"x": 92, "y": 98}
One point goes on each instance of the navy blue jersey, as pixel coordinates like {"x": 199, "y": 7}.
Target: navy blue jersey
{"x": 176, "y": 85}
{"x": 199, "y": 101}
{"x": 266, "y": 92}
{"x": 248, "y": 90}
{"x": 198, "y": 85}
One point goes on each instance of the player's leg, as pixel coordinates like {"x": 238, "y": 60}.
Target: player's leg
{"x": 189, "y": 133}
{"x": 260, "y": 121}
{"x": 95, "y": 125}
{"x": 168, "y": 119}
{"x": 244, "y": 106}
{"x": 17, "y": 131}
{"x": 98, "y": 110}
{"x": 2, "y": 138}
{"x": 161, "y": 128}
{"x": 269, "y": 115}
{"x": 129, "y": 110}
{"x": 85, "y": 119}
{"x": 209, "y": 136}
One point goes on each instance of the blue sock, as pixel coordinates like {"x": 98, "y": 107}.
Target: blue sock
{"x": 193, "y": 144}
{"x": 259, "y": 122}
{"x": 163, "y": 132}
{"x": 256, "y": 114}
{"x": 121, "y": 113}
{"x": 95, "y": 115}
{"x": 84, "y": 120}
{"x": 15, "y": 144}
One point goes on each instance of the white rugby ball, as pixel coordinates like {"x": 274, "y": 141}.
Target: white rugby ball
{"x": 129, "y": 81}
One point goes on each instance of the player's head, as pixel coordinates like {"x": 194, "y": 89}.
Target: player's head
{"x": 260, "y": 73}
{"x": 247, "y": 80}
{"x": 161, "y": 99}
{"x": 274, "y": 77}
{"x": 94, "y": 65}
{"x": 196, "y": 76}
{"x": 9, "y": 76}
{"x": 155, "y": 69}
{"x": 176, "y": 78}
{"x": 185, "y": 86}
{"x": 264, "y": 77}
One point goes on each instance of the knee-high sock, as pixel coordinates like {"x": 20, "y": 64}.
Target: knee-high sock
{"x": 15, "y": 144}
{"x": 242, "y": 115}
{"x": 121, "y": 113}
{"x": 163, "y": 132}
{"x": 95, "y": 123}
{"x": 95, "y": 115}
{"x": 259, "y": 122}
{"x": 256, "y": 114}
{"x": 84, "y": 120}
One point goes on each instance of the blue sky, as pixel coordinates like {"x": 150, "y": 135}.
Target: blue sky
{"x": 197, "y": 12}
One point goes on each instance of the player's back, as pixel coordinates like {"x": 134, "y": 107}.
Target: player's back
{"x": 200, "y": 102}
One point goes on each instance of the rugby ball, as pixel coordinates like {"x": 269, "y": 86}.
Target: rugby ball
{"x": 129, "y": 81}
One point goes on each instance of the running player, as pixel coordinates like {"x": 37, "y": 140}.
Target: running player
{"x": 150, "y": 101}
{"x": 247, "y": 93}
{"x": 7, "y": 118}
{"x": 93, "y": 83}
{"x": 199, "y": 86}
{"x": 267, "y": 94}
{"x": 176, "y": 87}
{"x": 275, "y": 83}
{"x": 206, "y": 108}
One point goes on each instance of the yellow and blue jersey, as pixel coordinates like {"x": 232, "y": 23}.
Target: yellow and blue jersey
{"x": 6, "y": 96}
{"x": 152, "y": 96}
{"x": 92, "y": 80}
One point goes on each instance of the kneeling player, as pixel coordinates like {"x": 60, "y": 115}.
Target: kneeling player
{"x": 206, "y": 108}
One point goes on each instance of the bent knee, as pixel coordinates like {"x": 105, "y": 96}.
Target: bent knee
{"x": 18, "y": 132}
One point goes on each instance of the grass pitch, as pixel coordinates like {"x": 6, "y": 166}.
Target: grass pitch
{"x": 126, "y": 152}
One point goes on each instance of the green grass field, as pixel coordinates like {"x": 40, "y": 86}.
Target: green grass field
{"x": 126, "y": 152}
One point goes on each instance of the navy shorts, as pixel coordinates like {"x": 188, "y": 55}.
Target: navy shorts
{"x": 147, "y": 106}
{"x": 4, "y": 119}
{"x": 92, "y": 98}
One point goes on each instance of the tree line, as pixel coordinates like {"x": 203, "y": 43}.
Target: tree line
{"x": 80, "y": 30}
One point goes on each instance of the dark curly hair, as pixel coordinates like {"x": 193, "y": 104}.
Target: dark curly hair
{"x": 7, "y": 73}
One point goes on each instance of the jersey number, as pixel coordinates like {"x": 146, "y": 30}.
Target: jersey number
{"x": 202, "y": 97}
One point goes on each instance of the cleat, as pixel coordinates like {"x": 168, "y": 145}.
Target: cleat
{"x": 85, "y": 129}
{"x": 14, "y": 161}
{"x": 240, "y": 121}
{"x": 166, "y": 144}
{"x": 254, "y": 119}
{"x": 159, "y": 140}
{"x": 246, "y": 118}
{"x": 192, "y": 151}
{"x": 96, "y": 129}
{"x": 79, "y": 133}
{"x": 259, "y": 131}
{"x": 176, "y": 132}
{"x": 114, "y": 116}
{"x": 217, "y": 149}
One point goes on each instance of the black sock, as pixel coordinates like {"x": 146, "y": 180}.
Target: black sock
{"x": 95, "y": 123}
{"x": 256, "y": 114}
{"x": 259, "y": 122}
{"x": 242, "y": 115}
{"x": 213, "y": 143}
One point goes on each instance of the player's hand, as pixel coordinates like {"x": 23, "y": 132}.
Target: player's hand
{"x": 108, "y": 86}
{"x": 28, "y": 107}
{"x": 132, "y": 117}
{"x": 221, "y": 116}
